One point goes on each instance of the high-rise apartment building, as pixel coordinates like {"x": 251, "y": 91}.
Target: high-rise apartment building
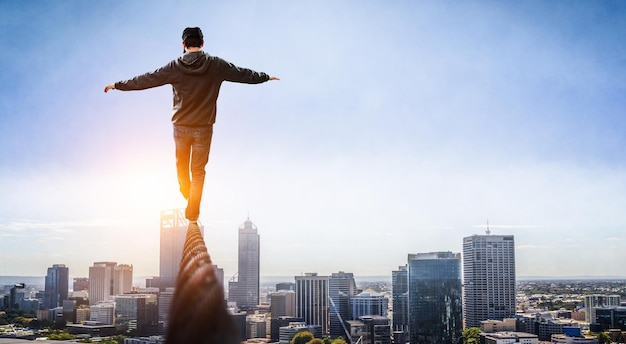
{"x": 122, "y": 279}
{"x": 489, "y": 278}
{"x": 101, "y": 282}
{"x": 245, "y": 291}
{"x": 312, "y": 299}
{"x": 173, "y": 232}
{"x": 400, "y": 299}
{"x": 435, "y": 298}
{"x": 341, "y": 287}
{"x": 56, "y": 286}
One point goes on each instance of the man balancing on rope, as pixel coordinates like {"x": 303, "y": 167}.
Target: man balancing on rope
{"x": 196, "y": 78}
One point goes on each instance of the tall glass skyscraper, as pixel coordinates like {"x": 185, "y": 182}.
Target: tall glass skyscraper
{"x": 341, "y": 287}
{"x": 489, "y": 278}
{"x": 400, "y": 299}
{"x": 57, "y": 286}
{"x": 435, "y": 298}
{"x": 245, "y": 291}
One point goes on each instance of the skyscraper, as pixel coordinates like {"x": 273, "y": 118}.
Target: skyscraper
{"x": 122, "y": 279}
{"x": 283, "y": 304}
{"x": 341, "y": 287}
{"x": 489, "y": 278}
{"x": 57, "y": 286}
{"x": 245, "y": 291}
{"x": 400, "y": 299}
{"x": 312, "y": 299}
{"x": 173, "y": 232}
{"x": 435, "y": 298}
{"x": 101, "y": 282}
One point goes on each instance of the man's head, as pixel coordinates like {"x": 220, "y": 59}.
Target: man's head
{"x": 192, "y": 37}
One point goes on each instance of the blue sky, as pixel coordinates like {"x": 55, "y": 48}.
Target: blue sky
{"x": 397, "y": 127}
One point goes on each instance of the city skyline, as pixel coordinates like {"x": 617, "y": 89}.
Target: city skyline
{"x": 396, "y": 128}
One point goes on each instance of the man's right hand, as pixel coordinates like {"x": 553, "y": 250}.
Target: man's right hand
{"x": 109, "y": 87}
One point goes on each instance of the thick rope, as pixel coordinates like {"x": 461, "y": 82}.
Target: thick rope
{"x": 198, "y": 312}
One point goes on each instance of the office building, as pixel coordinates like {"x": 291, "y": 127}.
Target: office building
{"x": 435, "y": 297}
{"x": 612, "y": 317}
{"x": 368, "y": 303}
{"x": 56, "y": 286}
{"x": 286, "y": 333}
{"x": 489, "y": 278}
{"x": 377, "y": 330}
{"x": 283, "y": 303}
{"x": 69, "y": 310}
{"x": 245, "y": 291}
{"x": 508, "y": 338}
{"x": 137, "y": 312}
{"x": 594, "y": 301}
{"x": 277, "y": 323}
{"x": 122, "y": 279}
{"x": 565, "y": 339}
{"x": 103, "y": 313}
{"x": 312, "y": 299}
{"x": 165, "y": 303}
{"x": 101, "y": 282}
{"x": 341, "y": 287}
{"x": 256, "y": 326}
{"x": 172, "y": 240}
{"x": 16, "y": 293}
{"x": 400, "y": 299}
{"x": 505, "y": 325}
{"x": 373, "y": 329}
{"x": 543, "y": 324}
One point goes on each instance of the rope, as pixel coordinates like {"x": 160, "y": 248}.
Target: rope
{"x": 198, "y": 312}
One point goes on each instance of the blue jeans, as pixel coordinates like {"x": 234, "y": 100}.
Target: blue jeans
{"x": 193, "y": 145}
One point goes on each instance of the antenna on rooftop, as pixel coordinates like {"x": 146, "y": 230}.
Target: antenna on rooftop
{"x": 488, "y": 231}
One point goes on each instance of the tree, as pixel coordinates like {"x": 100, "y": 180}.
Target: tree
{"x": 603, "y": 338}
{"x": 315, "y": 341}
{"x": 471, "y": 335}
{"x": 339, "y": 341}
{"x": 60, "y": 335}
{"x": 19, "y": 321}
{"x": 302, "y": 338}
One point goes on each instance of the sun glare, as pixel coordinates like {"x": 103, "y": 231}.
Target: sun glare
{"x": 145, "y": 192}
